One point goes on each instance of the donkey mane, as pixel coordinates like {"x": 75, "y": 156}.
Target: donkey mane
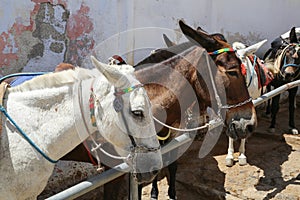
{"x": 57, "y": 79}
{"x": 163, "y": 54}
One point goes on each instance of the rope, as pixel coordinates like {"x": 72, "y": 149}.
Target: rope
{"x": 3, "y": 110}
{"x": 182, "y": 130}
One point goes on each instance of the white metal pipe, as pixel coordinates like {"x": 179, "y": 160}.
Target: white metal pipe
{"x": 269, "y": 95}
{"x": 92, "y": 183}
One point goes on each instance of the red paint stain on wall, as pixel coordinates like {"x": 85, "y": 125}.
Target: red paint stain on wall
{"x": 79, "y": 23}
{"x": 79, "y": 27}
{"x": 7, "y": 55}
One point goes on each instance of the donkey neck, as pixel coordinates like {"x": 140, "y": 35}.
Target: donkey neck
{"x": 50, "y": 110}
{"x": 173, "y": 84}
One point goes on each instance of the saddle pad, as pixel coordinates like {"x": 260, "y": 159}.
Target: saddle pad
{"x": 21, "y": 79}
{"x": 3, "y": 86}
{"x": 265, "y": 76}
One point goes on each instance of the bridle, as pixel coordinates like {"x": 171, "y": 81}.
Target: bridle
{"x": 118, "y": 105}
{"x": 217, "y": 52}
{"x": 285, "y": 64}
{"x": 215, "y": 122}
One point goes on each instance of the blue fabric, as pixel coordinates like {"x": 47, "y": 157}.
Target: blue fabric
{"x": 21, "y": 79}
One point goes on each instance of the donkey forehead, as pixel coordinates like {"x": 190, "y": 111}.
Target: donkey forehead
{"x": 138, "y": 100}
{"x": 228, "y": 60}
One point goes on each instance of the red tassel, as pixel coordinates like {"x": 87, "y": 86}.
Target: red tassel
{"x": 243, "y": 69}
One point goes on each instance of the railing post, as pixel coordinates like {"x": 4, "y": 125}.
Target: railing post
{"x": 133, "y": 188}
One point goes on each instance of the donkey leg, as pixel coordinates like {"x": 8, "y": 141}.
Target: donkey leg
{"x": 229, "y": 157}
{"x": 172, "y": 171}
{"x": 292, "y": 105}
{"x": 242, "y": 156}
{"x": 140, "y": 188}
{"x": 274, "y": 111}
{"x": 268, "y": 109}
{"x": 154, "y": 190}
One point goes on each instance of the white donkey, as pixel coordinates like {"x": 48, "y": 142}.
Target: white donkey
{"x": 252, "y": 78}
{"x": 46, "y": 117}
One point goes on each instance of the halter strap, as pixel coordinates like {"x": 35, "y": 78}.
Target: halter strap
{"x": 120, "y": 92}
{"x": 219, "y": 51}
{"x": 285, "y": 65}
{"x": 135, "y": 147}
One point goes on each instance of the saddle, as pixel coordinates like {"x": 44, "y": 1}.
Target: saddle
{"x": 265, "y": 76}
{"x": 10, "y": 82}
{"x": 14, "y": 81}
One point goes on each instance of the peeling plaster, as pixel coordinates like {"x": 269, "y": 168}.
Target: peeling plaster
{"x": 42, "y": 44}
{"x": 69, "y": 29}
{"x": 79, "y": 29}
{"x": 50, "y": 22}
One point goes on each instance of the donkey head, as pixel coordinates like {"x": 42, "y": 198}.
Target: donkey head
{"x": 240, "y": 116}
{"x": 290, "y": 61}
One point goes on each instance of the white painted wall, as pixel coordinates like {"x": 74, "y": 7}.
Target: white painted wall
{"x": 248, "y": 21}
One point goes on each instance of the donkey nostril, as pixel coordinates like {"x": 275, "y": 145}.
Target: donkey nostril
{"x": 250, "y": 128}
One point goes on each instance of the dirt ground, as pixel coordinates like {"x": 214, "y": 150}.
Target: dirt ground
{"x": 272, "y": 172}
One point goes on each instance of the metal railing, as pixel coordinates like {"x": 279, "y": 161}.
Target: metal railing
{"x": 109, "y": 175}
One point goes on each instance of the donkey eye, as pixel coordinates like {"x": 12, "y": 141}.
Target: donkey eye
{"x": 138, "y": 113}
{"x": 232, "y": 73}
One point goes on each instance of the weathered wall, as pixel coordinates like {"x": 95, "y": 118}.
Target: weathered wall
{"x": 36, "y": 35}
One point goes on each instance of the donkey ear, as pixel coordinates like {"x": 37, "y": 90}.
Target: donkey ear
{"x": 199, "y": 37}
{"x": 251, "y": 49}
{"x": 168, "y": 42}
{"x": 112, "y": 73}
{"x": 293, "y": 35}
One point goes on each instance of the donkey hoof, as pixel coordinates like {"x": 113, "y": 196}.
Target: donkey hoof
{"x": 172, "y": 194}
{"x": 229, "y": 162}
{"x": 294, "y": 131}
{"x": 242, "y": 161}
{"x": 272, "y": 130}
